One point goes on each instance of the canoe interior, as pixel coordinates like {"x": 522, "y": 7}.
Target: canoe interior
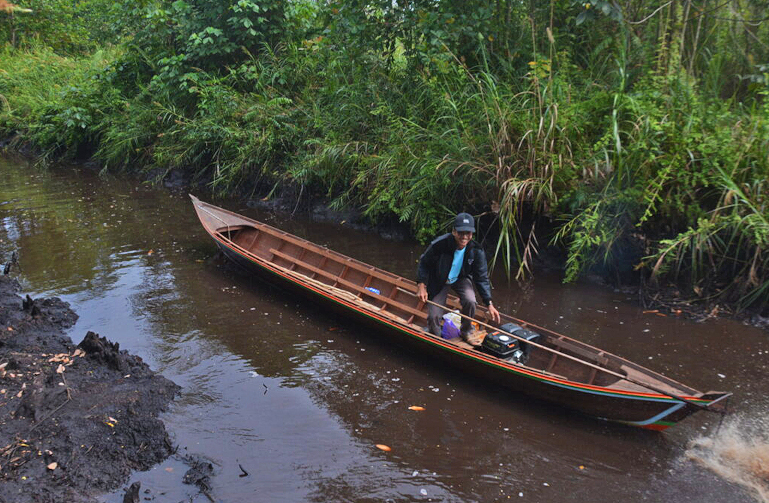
{"x": 392, "y": 296}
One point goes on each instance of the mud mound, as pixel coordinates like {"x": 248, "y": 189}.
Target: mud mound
{"x": 74, "y": 420}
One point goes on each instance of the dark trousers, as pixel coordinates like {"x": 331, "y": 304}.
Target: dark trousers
{"x": 464, "y": 289}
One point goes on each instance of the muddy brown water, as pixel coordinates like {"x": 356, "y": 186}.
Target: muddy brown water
{"x": 299, "y": 398}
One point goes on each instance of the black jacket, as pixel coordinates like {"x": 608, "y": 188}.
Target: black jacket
{"x": 435, "y": 265}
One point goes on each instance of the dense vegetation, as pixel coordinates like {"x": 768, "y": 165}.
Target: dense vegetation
{"x": 632, "y": 134}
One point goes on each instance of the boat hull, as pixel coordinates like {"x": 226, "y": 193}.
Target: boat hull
{"x": 645, "y": 408}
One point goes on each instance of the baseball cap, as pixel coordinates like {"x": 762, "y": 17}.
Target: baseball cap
{"x": 464, "y": 223}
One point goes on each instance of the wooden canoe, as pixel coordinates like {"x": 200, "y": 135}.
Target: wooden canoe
{"x": 559, "y": 369}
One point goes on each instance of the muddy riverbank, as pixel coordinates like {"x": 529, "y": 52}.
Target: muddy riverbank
{"x": 75, "y": 420}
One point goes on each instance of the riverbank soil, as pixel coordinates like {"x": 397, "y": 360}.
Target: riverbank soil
{"x": 75, "y": 420}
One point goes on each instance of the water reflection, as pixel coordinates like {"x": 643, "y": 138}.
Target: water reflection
{"x": 300, "y": 397}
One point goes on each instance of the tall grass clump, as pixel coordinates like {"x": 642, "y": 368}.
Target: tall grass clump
{"x": 654, "y": 169}
{"x": 423, "y": 145}
{"x": 724, "y": 255}
{"x": 54, "y": 103}
{"x": 227, "y": 137}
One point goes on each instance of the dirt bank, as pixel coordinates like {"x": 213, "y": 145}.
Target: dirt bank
{"x": 75, "y": 420}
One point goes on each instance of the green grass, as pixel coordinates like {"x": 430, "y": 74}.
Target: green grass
{"x": 600, "y": 168}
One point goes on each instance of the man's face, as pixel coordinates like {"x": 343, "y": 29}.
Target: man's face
{"x": 462, "y": 238}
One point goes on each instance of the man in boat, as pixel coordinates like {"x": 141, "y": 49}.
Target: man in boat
{"x": 455, "y": 262}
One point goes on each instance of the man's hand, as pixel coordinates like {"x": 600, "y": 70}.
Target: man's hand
{"x": 494, "y": 314}
{"x": 422, "y": 292}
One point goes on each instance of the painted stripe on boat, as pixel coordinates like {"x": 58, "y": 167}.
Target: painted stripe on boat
{"x": 657, "y": 419}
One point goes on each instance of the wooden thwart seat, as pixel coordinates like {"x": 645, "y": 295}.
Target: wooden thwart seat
{"x": 595, "y": 358}
{"x": 588, "y": 355}
{"x": 351, "y": 263}
{"x": 348, "y": 284}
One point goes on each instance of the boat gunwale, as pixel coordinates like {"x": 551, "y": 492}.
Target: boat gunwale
{"x": 528, "y": 372}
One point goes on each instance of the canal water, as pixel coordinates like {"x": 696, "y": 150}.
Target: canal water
{"x": 298, "y": 398}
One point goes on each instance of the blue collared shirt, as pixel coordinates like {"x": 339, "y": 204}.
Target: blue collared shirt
{"x": 456, "y": 265}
